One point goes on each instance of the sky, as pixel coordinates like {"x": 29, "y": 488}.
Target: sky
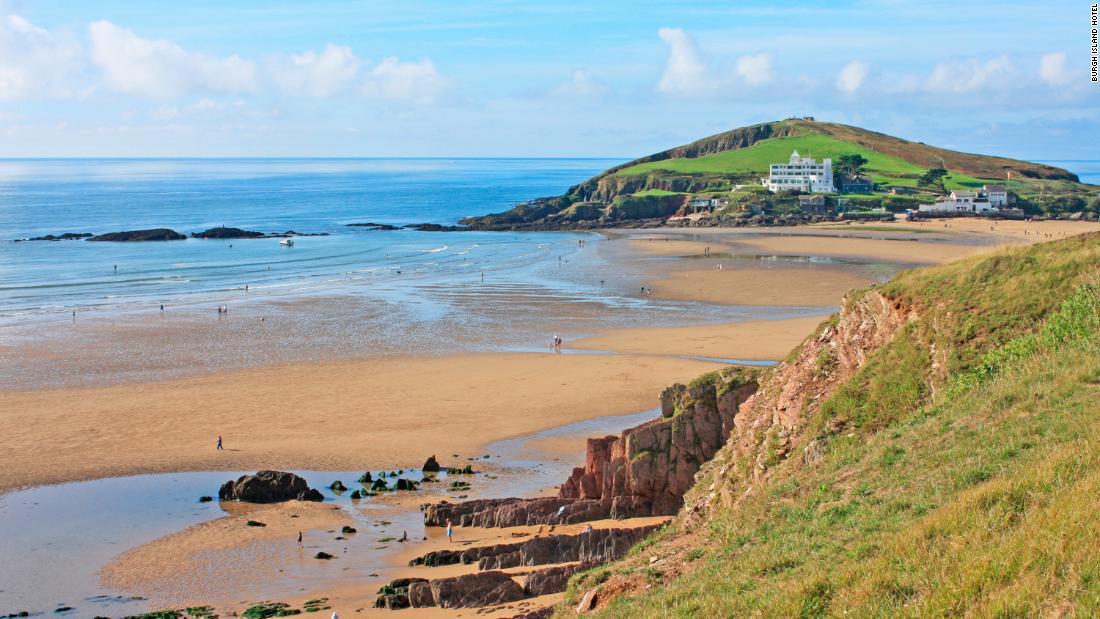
{"x": 560, "y": 78}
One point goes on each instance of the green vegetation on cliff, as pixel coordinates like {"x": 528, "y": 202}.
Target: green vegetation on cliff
{"x": 729, "y": 166}
{"x": 955, "y": 472}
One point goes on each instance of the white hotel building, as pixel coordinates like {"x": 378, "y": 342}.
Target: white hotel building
{"x": 801, "y": 174}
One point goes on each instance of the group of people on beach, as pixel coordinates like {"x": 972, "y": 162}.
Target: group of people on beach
{"x": 555, "y": 343}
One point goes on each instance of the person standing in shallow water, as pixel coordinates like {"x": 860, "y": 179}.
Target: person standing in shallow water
{"x": 219, "y": 441}
{"x": 300, "y": 544}
{"x": 450, "y": 532}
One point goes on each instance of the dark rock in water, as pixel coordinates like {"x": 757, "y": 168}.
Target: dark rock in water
{"x": 255, "y": 523}
{"x": 205, "y": 499}
{"x": 434, "y": 228}
{"x": 68, "y": 236}
{"x": 365, "y": 478}
{"x": 268, "y": 487}
{"x": 346, "y": 529}
{"x": 323, "y": 555}
{"x": 374, "y": 226}
{"x": 475, "y": 590}
{"x": 379, "y": 485}
{"x": 355, "y": 495}
{"x": 337, "y": 486}
{"x": 404, "y": 484}
{"x": 222, "y": 232}
{"x": 551, "y": 579}
{"x": 431, "y": 465}
{"x": 156, "y": 234}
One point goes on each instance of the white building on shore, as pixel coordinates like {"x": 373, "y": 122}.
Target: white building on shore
{"x": 959, "y": 202}
{"x": 800, "y": 174}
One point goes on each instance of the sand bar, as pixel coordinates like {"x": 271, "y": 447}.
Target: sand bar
{"x": 755, "y": 340}
{"x": 322, "y": 416}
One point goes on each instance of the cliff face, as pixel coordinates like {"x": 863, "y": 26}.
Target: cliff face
{"x": 769, "y": 426}
{"x": 657, "y": 461}
{"x": 643, "y": 472}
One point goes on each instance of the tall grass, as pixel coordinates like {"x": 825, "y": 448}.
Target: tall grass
{"x": 974, "y": 491}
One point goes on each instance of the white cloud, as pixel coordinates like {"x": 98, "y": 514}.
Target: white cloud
{"x": 971, "y": 75}
{"x": 1053, "y": 70}
{"x": 162, "y": 69}
{"x": 852, "y": 76}
{"x": 331, "y": 72}
{"x": 581, "y": 84}
{"x": 755, "y": 70}
{"x": 34, "y": 62}
{"x": 684, "y": 72}
{"x": 414, "y": 82}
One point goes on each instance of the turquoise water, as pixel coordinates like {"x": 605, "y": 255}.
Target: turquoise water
{"x": 39, "y": 197}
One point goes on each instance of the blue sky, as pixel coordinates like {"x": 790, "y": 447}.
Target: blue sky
{"x": 561, "y": 78}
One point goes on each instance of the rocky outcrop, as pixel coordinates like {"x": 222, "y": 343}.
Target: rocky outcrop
{"x": 513, "y": 512}
{"x": 401, "y": 592}
{"x": 470, "y": 591}
{"x": 769, "y": 428}
{"x": 431, "y": 465}
{"x": 222, "y": 232}
{"x": 657, "y": 461}
{"x": 374, "y": 226}
{"x": 643, "y": 472}
{"x": 268, "y": 487}
{"x": 156, "y": 234}
{"x": 552, "y": 579}
{"x": 67, "y": 236}
{"x": 596, "y": 546}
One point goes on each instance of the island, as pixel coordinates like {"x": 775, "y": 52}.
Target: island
{"x": 801, "y": 170}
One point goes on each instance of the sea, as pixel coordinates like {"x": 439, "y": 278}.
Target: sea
{"x": 310, "y": 196}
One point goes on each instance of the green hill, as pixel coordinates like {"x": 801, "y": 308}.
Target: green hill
{"x": 729, "y": 166}
{"x": 934, "y": 450}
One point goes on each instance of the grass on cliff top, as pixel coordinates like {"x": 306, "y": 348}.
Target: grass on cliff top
{"x": 755, "y": 159}
{"x": 972, "y": 491}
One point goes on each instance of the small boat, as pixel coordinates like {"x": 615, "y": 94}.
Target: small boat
{"x": 287, "y": 242}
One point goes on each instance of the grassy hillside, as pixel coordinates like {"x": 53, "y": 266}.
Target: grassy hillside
{"x": 755, "y": 160}
{"x": 956, "y": 472}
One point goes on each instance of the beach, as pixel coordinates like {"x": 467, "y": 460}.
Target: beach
{"x": 394, "y": 409}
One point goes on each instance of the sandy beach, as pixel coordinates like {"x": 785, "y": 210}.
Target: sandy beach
{"x": 323, "y": 416}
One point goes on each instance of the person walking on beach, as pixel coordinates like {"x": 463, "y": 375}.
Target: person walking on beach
{"x": 450, "y": 532}
{"x": 300, "y": 544}
{"x": 219, "y": 442}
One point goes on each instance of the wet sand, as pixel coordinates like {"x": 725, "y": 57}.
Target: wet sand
{"x": 370, "y": 413}
{"x": 755, "y": 340}
{"x": 200, "y": 560}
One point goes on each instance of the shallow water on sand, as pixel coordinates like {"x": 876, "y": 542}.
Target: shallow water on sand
{"x": 57, "y": 538}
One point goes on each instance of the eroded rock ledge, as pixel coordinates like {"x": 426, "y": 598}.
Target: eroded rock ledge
{"x": 643, "y": 472}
